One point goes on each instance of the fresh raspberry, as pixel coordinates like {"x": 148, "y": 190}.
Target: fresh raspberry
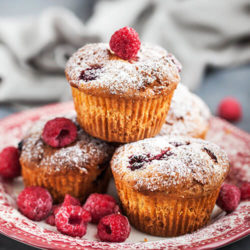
{"x": 55, "y": 209}
{"x": 113, "y": 228}
{"x": 138, "y": 161}
{"x": 9, "y": 163}
{"x": 100, "y": 205}
{"x": 59, "y": 132}
{"x": 230, "y": 109}
{"x": 229, "y": 197}
{"x": 69, "y": 200}
{"x": 72, "y": 220}
{"x": 35, "y": 203}
{"x": 245, "y": 191}
{"x": 125, "y": 43}
{"x": 51, "y": 220}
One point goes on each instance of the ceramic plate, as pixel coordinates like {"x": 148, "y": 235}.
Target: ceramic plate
{"x": 221, "y": 230}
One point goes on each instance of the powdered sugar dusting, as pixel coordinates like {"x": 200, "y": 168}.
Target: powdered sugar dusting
{"x": 222, "y": 229}
{"x": 42, "y": 235}
{"x": 238, "y": 150}
{"x": 153, "y": 70}
{"x": 188, "y": 114}
{"x": 187, "y": 164}
{"x": 17, "y": 125}
{"x": 84, "y": 152}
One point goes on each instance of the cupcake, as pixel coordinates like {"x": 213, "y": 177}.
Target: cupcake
{"x": 188, "y": 115}
{"x": 122, "y": 100}
{"x": 168, "y": 186}
{"x": 65, "y": 160}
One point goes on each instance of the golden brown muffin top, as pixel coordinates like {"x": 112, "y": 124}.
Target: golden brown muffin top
{"x": 95, "y": 70}
{"x": 178, "y": 166}
{"x": 188, "y": 114}
{"x": 85, "y": 153}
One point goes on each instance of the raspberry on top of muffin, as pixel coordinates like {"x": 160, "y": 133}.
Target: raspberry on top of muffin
{"x": 56, "y": 158}
{"x": 95, "y": 68}
{"x": 82, "y": 154}
{"x": 188, "y": 115}
{"x": 174, "y": 165}
{"x": 122, "y": 93}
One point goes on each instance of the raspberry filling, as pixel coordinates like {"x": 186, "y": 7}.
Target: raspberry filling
{"x": 138, "y": 161}
{"x": 211, "y": 154}
{"x": 178, "y": 144}
{"x": 91, "y": 73}
{"x": 163, "y": 155}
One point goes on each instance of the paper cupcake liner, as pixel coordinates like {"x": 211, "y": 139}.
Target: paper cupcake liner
{"x": 74, "y": 183}
{"x": 119, "y": 119}
{"x": 162, "y": 215}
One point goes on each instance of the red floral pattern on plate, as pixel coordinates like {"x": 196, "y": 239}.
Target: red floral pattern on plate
{"x": 222, "y": 229}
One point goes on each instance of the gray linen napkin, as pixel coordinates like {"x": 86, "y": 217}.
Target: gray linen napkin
{"x": 33, "y": 50}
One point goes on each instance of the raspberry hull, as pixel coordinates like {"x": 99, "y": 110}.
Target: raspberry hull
{"x": 9, "y": 163}
{"x": 51, "y": 220}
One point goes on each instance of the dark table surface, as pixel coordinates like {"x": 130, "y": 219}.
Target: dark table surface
{"x": 216, "y": 85}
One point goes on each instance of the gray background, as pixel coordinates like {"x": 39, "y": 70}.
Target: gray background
{"x": 216, "y": 84}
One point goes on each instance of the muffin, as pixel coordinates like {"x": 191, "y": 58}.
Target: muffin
{"x": 78, "y": 169}
{"x": 122, "y": 100}
{"x": 188, "y": 115}
{"x": 168, "y": 186}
